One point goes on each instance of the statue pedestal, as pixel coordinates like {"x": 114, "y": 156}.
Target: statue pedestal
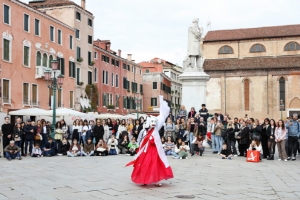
{"x": 193, "y": 89}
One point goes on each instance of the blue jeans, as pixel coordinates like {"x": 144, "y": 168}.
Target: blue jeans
{"x": 218, "y": 140}
{"x": 18, "y": 143}
{"x": 83, "y": 139}
{"x": 50, "y": 152}
{"x": 73, "y": 154}
{"x": 44, "y": 141}
{"x": 12, "y": 155}
{"x": 30, "y": 146}
{"x": 86, "y": 154}
{"x": 214, "y": 143}
{"x": 191, "y": 138}
{"x": 170, "y": 152}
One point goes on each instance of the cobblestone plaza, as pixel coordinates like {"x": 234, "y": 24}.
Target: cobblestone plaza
{"x": 206, "y": 177}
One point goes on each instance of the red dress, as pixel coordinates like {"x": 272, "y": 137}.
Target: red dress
{"x": 148, "y": 167}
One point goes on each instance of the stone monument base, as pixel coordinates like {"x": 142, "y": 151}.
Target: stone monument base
{"x": 193, "y": 89}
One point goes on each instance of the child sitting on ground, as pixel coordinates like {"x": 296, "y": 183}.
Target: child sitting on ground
{"x": 225, "y": 152}
{"x": 36, "y": 151}
{"x": 182, "y": 151}
{"x": 133, "y": 145}
{"x": 198, "y": 142}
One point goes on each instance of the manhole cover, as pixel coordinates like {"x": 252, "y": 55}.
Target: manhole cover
{"x": 185, "y": 196}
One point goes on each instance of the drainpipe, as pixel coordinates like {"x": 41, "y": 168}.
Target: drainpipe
{"x": 225, "y": 92}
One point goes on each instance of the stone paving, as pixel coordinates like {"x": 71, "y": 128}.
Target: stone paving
{"x": 206, "y": 177}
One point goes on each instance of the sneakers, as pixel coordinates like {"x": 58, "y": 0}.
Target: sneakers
{"x": 285, "y": 160}
{"x": 235, "y": 155}
{"x": 229, "y": 158}
{"x": 289, "y": 158}
{"x": 293, "y": 158}
{"x": 8, "y": 158}
{"x": 18, "y": 158}
{"x": 279, "y": 159}
{"x": 180, "y": 158}
{"x": 186, "y": 158}
{"x": 59, "y": 154}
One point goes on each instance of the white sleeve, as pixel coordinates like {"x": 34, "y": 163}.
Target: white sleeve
{"x": 164, "y": 110}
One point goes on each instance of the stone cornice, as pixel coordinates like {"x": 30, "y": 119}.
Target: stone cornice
{"x": 41, "y": 14}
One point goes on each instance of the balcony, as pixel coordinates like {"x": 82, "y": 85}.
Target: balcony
{"x": 40, "y": 72}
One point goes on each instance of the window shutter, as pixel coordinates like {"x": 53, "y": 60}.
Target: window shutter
{"x": 74, "y": 69}
{"x": 246, "y": 94}
{"x": 70, "y": 69}
{"x": 62, "y": 66}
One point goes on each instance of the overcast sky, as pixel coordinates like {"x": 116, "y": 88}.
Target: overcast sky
{"x": 158, "y": 28}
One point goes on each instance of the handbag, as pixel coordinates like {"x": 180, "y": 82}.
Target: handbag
{"x": 17, "y": 139}
{"x": 37, "y": 137}
{"x": 253, "y": 156}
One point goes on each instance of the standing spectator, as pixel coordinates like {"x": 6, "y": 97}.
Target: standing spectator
{"x": 171, "y": 116}
{"x": 106, "y": 131}
{"x": 122, "y": 130}
{"x": 65, "y": 129}
{"x": 12, "y": 151}
{"x": 29, "y": 133}
{"x": 110, "y": 126}
{"x": 85, "y": 129}
{"x": 182, "y": 112}
{"x": 45, "y": 132}
{"x": 92, "y": 125}
{"x": 192, "y": 128}
{"x": 230, "y": 132}
{"x": 169, "y": 129}
{"x": 280, "y": 137}
{"x": 115, "y": 127}
{"x": 211, "y": 126}
{"x": 58, "y": 135}
{"x": 22, "y": 138}
{"x": 192, "y": 113}
{"x": 204, "y": 112}
{"x": 177, "y": 129}
{"x": 218, "y": 136}
{"x": 293, "y": 127}
{"x": 37, "y": 132}
{"x": 18, "y": 135}
{"x": 76, "y": 130}
{"x": 136, "y": 129}
{"x": 182, "y": 129}
{"x": 244, "y": 138}
{"x": 197, "y": 118}
{"x": 130, "y": 127}
{"x": 271, "y": 139}
{"x": 264, "y": 140}
{"x": 7, "y": 131}
{"x": 98, "y": 131}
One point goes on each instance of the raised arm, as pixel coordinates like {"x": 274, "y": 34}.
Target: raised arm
{"x": 164, "y": 110}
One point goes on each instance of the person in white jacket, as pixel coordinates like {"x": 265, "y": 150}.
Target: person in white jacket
{"x": 36, "y": 151}
{"x": 122, "y": 127}
{"x": 181, "y": 150}
{"x": 106, "y": 131}
{"x": 113, "y": 146}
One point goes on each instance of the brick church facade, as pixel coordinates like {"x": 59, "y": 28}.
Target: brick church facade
{"x": 254, "y": 71}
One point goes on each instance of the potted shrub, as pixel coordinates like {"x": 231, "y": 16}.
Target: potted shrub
{"x": 179, "y": 93}
{"x": 92, "y": 63}
{"x": 111, "y": 107}
{"x": 80, "y": 59}
{"x": 175, "y": 91}
{"x": 172, "y": 91}
{"x": 80, "y": 83}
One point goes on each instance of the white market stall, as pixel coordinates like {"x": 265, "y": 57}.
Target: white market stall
{"x": 29, "y": 112}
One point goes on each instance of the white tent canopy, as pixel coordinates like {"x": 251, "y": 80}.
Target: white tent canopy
{"x": 65, "y": 112}
{"x": 134, "y": 115}
{"x": 29, "y": 112}
{"x": 108, "y": 115}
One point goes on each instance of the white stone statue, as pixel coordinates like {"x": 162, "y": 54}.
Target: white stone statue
{"x": 194, "y": 48}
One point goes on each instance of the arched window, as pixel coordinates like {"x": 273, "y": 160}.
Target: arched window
{"x": 50, "y": 59}
{"x": 226, "y": 50}
{"x": 45, "y": 58}
{"x": 257, "y": 48}
{"x": 247, "y": 94}
{"x": 282, "y": 93}
{"x": 38, "y": 58}
{"x": 292, "y": 46}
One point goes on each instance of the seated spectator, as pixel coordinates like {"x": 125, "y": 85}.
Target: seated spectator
{"x": 12, "y": 151}
{"x": 75, "y": 149}
{"x": 101, "y": 149}
{"x": 208, "y": 139}
{"x": 225, "y": 154}
{"x": 198, "y": 145}
{"x": 113, "y": 146}
{"x": 169, "y": 129}
{"x": 255, "y": 145}
{"x": 36, "y": 151}
{"x": 181, "y": 151}
{"x": 169, "y": 147}
{"x": 64, "y": 147}
{"x": 123, "y": 146}
{"x": 133, "y": 145}
{"x": 89, "y": 148}
{"x": 49, "y": 149}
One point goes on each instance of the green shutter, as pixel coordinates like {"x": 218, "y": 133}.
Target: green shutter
{"x": 62, "y": 66}
{"x": 70, "y": 69}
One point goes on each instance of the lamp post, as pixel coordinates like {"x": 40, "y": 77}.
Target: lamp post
{"x": 91, "y": 98}
{"x": 281, "y": 106}
{"x": 54, "y": 84}
{"x": 138, "y": 103}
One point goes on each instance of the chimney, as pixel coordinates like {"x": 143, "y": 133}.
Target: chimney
{"x": 83, "y": 4}
{"x": 129, "y": 57}
{"x": 119, "y": 52}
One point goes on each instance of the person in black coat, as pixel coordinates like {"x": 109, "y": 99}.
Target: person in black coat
{"x": 271, "y": 139}
{"x": 204, "y": 112}
{"x": 29, "y": 134}
{"x": 266, "y": 129}
{"x": 7, "y": 131}
{"x": 230, "y": 135}
{"x": 136, "y": 129}
{"x": 244, "y": 139}
{"x": 98, "y": 131}
{"x": 64, "y": 147}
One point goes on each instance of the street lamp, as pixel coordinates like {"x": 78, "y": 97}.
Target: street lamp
{"x": 281, "y": 106}
{"x": 54, "y": 84}
{"x": 138, "y": 103}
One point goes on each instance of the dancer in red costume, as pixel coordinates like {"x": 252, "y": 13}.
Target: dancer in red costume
{"x": 151, "y": 164}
